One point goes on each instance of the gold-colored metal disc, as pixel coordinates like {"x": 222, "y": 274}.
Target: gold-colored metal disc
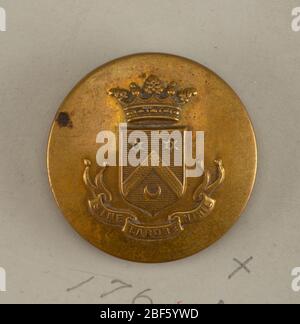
{"x": 152, "y": 213}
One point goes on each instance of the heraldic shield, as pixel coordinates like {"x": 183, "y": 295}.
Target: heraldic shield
{"x": 152, "y": 166}
{"x": 154, "y": 188}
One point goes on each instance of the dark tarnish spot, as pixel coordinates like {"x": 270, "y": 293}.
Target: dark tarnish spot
{"x": 64, "y": 120}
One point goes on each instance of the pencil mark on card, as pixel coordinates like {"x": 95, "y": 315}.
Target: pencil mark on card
{"x": 80, "y": 284}
{"x": 242, "y": 266}
{"x": 122, "y": 285}
{"x": 143, "y": 296}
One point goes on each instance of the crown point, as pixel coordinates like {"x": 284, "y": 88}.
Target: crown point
{"x": 121, "y": 94}
{"x": 153, "y": 85}
{"x": 171, "y": 89}
{"x": 185, "y": 95}
{"x": 135, "y": 89}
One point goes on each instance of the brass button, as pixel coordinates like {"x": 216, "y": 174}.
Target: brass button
{"x": 152, "y": 157}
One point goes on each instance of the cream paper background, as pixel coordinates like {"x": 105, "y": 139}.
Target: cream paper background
{"x": 48, "y": 46}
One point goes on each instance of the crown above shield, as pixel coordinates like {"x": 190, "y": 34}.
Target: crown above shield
{"x": 155, "y": 100}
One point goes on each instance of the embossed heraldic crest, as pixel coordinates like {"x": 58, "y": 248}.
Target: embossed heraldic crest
{"x": 155, "y": 165}
{"x": 137, "y": 156}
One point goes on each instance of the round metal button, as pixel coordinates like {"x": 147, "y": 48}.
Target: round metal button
{"x": 152, "y": 157}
